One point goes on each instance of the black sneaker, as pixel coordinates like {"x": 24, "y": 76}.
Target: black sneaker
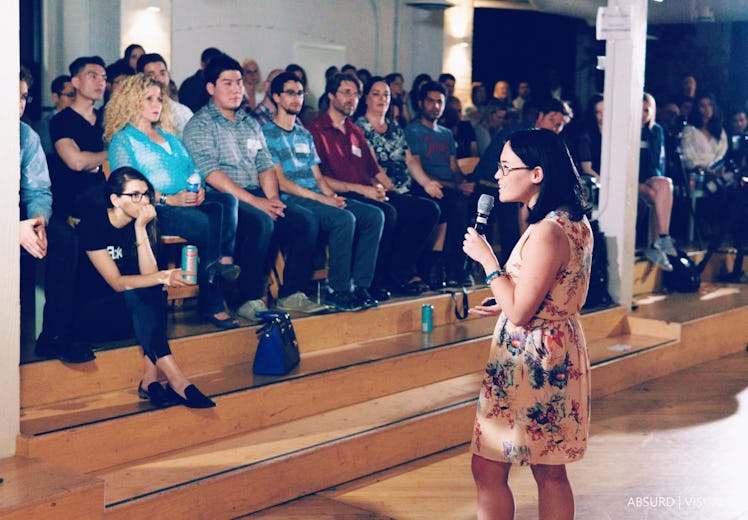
{"x": 63, "y": 349}
{"x": 342, "y": 301}
{"x": 380, "y": 294}
{"x": 437, "y": 277}
{"x": 364, "y": 298}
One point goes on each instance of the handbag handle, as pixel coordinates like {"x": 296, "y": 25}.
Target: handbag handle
{"x": 465, "y": 305}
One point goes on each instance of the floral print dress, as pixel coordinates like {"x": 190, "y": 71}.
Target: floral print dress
{"x": 534, "y": 403}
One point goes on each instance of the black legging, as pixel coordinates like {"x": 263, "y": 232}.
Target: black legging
{"x": 120, "y": 314}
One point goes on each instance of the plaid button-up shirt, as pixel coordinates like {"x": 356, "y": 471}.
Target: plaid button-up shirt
{"x": 236, "y": 147}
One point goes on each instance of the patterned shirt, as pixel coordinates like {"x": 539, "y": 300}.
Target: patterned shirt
{"x": 235, "y": 147}
{"x": 294, "y": 151}
{"x": 180, "y": 114}
{"x": 36, "y": 192}
{"x": 435, "y": 147}
{"x": 390, "y": 148}
{"x": 167, "y": 170}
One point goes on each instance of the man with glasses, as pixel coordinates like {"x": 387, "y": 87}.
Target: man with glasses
{"x": 435, "y": 147}
{"x": 305, "y": 189}
{"x": 349, "y": 168}
{"x": 228, "y": 145}
{"x": 63, "y": 94}
{"x": 43, "y": 235}
{"x": 77, "y": 135}
{"x": 154, "y": 66}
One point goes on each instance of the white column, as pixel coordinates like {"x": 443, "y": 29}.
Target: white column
{"x": 624, "y": 84}
{"x": 458, "y": 46}
{"x": 9, "y": 260}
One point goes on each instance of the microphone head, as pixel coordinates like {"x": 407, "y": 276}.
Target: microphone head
{"x": 485, "y": 204}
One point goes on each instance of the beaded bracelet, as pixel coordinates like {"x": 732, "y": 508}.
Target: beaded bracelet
{"x": 493, "y": 275}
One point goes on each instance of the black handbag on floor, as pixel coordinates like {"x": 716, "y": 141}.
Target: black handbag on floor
{"x": 277, "y": 348}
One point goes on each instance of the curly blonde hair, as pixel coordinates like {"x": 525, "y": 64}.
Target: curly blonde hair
{"x": 126, "y": 105}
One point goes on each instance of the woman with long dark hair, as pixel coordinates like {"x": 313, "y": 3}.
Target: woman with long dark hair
{"x": 534, "y": 404}
{"x": 704, "y": 142}
{"x": 121, "y": 286}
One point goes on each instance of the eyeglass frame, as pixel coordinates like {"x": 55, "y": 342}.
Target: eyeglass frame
{"x": 506, "y": 171}
{"x": 137, "y": 196}
{"x": 296, "y": 93}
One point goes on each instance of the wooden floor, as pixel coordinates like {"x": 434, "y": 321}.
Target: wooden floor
{"x": 671, "y": 448}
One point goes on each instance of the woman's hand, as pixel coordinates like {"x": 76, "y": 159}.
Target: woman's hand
{"x": 146, "y": 213}
{"x": 175, "y": 278}
{"x": 487, "y": 307}
{"x": 477, "y": 247}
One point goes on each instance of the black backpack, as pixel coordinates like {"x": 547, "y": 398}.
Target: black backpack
{"x": 684, "y": 277}
{"x": 597, "y": 294}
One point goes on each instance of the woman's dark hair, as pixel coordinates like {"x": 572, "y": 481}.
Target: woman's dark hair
{"x": 561, "y": 187}
{"x": 130, "y": 48}
{"x": 361, "y": 108}
{"x": 415, "y": 89}
{"x": 115, "y": 185}
{"x": 714, "y": 125}
{"x": 392, "y": 76}
{"x": 589, "y": 113}
{"x": 294, "y": 68}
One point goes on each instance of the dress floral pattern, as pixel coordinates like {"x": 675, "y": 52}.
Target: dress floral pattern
{"x": 389, "y": 147}
{"x": 534, "y": 403}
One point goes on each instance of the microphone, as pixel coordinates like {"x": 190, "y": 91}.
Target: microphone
{"x": 485, "y": 205}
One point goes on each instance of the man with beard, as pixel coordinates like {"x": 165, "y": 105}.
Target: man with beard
{"x": 349, "y": 168}
{"x": 435, "y": 147}
{"x": 228, "y": 145}
{"x": 305, "y": 189}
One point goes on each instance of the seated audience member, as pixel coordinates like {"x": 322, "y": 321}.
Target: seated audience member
{"x": 133, "y": 52}
{"x": 364, "y": 76}
{"x": 467, "y": 144}
{"x": 478, "y": 100}
{"x": 154, "y": 66}
{"x": 121, "y": 289}
{"x": 492, "y": 121}
{"x": 348, "y": 69}
{"x": 398, "y": 111}
{"x": 140, "y": 131}
{"x": 349, "y": 168}
{"x": 308, "y": 111}
{"x": 265, "y": 111}
{"x": 502, "y": 94}
{"x": 415, "y": 90}
{"x": 116, "y": 73}
{"x": 590, "y": 138}
{"x": 228, "y": 146}
{"x": 252, "y": 78}
{"x": 192, "y": 90}
{"x": 435, "y": 148}
{"x": 306, "y": 190}
{"x": 687, "y": 96}
{"x": 76, "y": 133}
{"x": 407, "y": 229}
{"x": 654, "y": 187}
{"x": 737, "y": 140}
{"x": 63, "y": 95}
{"x": 704, "y": 142}
{"x": 43, "y": 235}
{"x": 523, "y": 94}
{"x": 448, "y": 81}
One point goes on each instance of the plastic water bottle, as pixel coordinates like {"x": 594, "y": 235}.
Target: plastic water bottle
{"x": 193, "y": 183}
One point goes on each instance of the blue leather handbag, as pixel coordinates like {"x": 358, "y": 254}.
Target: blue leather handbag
{"x": 277, "y": 347}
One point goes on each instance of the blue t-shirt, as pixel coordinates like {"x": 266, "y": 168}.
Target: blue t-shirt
{"x": 435, "y": 148}
{"x": 294, "y": 151}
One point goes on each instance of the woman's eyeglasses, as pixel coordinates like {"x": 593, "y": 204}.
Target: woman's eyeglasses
{"x": 506, "y": 171}
{"x": 137, "y": 196}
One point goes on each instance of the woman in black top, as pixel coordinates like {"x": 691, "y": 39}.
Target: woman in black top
{"x": 121, "y": 280}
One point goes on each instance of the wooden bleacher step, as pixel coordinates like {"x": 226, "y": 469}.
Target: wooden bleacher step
{"x": 39, "y": 490}
{"x": 249, "y": 472}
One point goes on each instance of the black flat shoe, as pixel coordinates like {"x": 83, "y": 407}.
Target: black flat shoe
{"x": 228, "y": 272}
{"x": 194, "y": 397}
{"x": 155, "y": 394}
{"x": 223, "y": 324}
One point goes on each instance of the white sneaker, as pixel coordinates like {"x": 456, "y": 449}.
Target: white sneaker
{"x": 300, "y": 302}
{"x": 658, "y": 257}
{"x": 248, "y": 309}
{"x": 666, "y": 244}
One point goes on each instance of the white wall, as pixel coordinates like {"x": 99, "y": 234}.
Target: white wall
{"x": 376, "y": 34}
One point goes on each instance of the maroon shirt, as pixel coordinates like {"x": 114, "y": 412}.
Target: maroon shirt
{"x": 345, "y": 156}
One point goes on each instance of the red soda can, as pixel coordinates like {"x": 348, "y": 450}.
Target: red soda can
{"x": 189, "y": 263}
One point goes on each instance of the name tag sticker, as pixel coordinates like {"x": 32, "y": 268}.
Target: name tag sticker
{"x": 356, "y": 150}
{"x": 302, "y": 148}
{"x": 253, "y": 144}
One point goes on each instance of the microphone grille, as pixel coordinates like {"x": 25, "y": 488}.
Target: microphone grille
{"x": 485, "y": 204}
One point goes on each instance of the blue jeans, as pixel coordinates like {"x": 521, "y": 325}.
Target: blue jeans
{"x": 210, "y": 226}
{"x": 354, "y": 239}
{"x": 259, "y": 239}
